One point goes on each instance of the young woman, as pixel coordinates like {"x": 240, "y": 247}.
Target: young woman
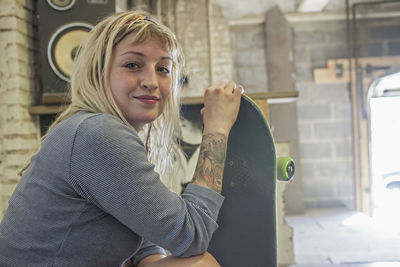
{"x": 92, "y": 195}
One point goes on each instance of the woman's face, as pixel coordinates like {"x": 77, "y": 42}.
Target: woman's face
{"x": 140, "y": 79}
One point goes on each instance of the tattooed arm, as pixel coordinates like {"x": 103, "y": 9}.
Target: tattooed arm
{"x": 221, "y": 106}
{"x": 211, "y": 162}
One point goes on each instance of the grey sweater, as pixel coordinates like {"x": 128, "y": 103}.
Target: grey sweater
{"x": 90, "y": 197}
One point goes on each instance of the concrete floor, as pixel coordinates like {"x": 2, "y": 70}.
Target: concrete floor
{"x": 341, "y": 237}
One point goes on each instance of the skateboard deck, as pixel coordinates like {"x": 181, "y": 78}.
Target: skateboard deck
{"x": 246, "y": 236}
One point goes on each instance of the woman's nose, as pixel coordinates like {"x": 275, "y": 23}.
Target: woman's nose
{"x": 149, "y": 80}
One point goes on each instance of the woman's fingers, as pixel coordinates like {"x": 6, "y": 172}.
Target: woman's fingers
{"x": 221, "y": 106}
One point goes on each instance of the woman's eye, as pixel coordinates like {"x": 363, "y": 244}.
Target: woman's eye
{"x": 132, "y": 65}
{"x": 164, "y": 70}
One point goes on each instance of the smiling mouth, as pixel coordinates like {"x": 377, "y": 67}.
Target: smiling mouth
{"x": 147, "y": 99}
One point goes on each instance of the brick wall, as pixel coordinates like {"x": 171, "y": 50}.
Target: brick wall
{"x": 205, "y": 39}
{"x": 18, "y": 130}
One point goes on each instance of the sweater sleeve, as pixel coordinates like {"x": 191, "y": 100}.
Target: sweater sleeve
{"x": 147, "y": 249}
{"x": 109, "y": 168}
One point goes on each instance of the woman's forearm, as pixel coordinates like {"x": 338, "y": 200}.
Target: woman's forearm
{"x": 211, "y": 162}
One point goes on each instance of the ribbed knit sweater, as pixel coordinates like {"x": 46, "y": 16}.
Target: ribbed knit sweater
{"x": 90, "y": 197}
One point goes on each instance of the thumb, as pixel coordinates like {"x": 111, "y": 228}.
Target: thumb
{"x": 202, "y": 111}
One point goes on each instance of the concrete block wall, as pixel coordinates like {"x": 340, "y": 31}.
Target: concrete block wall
{"x": 249, "y": 57}
{"x": 324, "y": 110}
{"x": 19, "y": 135}
{"x": 324, "y": 117}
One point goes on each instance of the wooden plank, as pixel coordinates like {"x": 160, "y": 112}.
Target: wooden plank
{"x": 46, "y": 109}
{"x": 263, "y": 105}
{"x": 55, "y": 98}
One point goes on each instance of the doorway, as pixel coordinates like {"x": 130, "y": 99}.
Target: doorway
{"x": 384, "y": 149}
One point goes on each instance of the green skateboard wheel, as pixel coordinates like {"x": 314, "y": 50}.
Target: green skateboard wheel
{"x": 285, "y": 168}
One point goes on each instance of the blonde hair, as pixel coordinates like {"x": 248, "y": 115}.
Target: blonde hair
{"x": 90, "y": 84}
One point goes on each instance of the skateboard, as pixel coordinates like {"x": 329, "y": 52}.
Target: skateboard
{"x": 246, "y": 236}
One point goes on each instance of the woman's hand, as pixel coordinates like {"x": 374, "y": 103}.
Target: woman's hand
{"x": 221, "y": 107}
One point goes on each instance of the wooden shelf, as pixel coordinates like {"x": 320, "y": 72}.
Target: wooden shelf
{"x": 58, "y": 102}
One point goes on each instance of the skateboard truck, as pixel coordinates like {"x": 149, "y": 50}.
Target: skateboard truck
{"x": 285, "y": 168}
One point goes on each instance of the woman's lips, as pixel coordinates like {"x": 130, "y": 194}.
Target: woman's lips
{"x": 147, "y": 99}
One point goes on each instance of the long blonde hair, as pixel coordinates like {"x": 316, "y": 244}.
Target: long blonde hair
{"x": 90, "y": 84}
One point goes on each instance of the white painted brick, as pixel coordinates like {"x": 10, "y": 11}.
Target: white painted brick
{"x": 16, "y": 112}
{"x": 13, "y": 37}
{"x": 12, "y": 10}
{"x": 11, "y": 174}
{"x": 18, "y": 3}
{"x": 15, "y": 160}
{"x": 13, "y": 23}
{"x": 19, "y": 128}
{"x": 17, "y": 96}
{"x": 15, "y": 51}
{"x": 18, "y": 67}
{"x": 18, "y": 82}
{"x": 17, "y": 143}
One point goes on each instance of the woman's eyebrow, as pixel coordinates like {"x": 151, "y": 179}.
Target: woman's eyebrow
{"x": 143, "y": 55}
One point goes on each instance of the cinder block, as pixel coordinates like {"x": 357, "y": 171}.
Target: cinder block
{"x": 329, "y": 168}
{"x": 332, "y": 130}
{"x": 248, "y": 35}
{"x": 394, "y": 48}
{"x": 301, "y": 54}
{"x": 375, "y": 50}
{"x": 337, "y": 35}
{"x": 321, "y": 53}
{"x": 305, "y": 130}
{"x": 307, "y": 170}
{"x": 329, "y": 93}
{"x": 316, "y": 150}
{"x": 303, "y": 72}
{"x": 320, "y": 187}
{"x": 342, "y": 111}
{"x": 383, "y": 32}
{"x": 344, "y": 149}
{"x": 312, "y": 112}
{"x": 253, "y": 57}
{"x": 245, "y": 76}
{"x": 309, "y": 37}
{"x": 305, "y": 89}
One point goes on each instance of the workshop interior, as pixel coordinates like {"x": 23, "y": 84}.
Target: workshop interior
{"x": 324, "y": 74}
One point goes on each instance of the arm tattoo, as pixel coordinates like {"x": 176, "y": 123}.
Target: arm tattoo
{"x": 210, "y": 166}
